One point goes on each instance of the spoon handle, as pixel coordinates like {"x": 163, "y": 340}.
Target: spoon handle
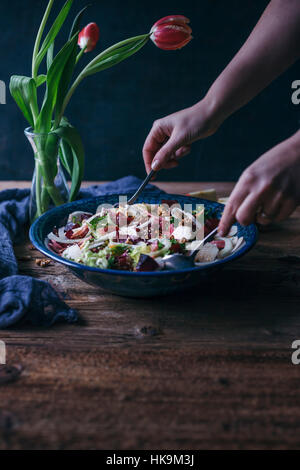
{"x": 145, "y": 182}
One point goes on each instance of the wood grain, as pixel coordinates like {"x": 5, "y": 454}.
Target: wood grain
{"x": 209, "y": 368}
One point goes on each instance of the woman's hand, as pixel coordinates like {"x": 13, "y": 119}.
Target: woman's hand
{"x": 171, "y": 137}
{"x": 268, "y": 190}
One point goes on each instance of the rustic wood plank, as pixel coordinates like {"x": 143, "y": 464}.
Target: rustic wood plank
{"x": 223, "y": 189}
{"x": 137, "y": 399}
{"x": 205, "y": 369}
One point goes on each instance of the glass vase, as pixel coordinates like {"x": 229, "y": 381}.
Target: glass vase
{"x": 49, "y": 186}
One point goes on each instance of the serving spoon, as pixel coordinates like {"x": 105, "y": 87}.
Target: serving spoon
{"x": 178, "y": 261}
{"x": 140, "y": 189}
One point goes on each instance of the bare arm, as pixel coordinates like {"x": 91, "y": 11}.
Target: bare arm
{"x": 271, "y": 48}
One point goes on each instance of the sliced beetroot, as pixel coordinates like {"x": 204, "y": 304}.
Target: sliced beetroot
{"x": 136, "y": 240}
{"x": 96, "y": 249}
{"x": 124, "y": 261}
{"x": 80, "y": 233}
{"x": 146, "y": 263}
{"x": 57, "y": 247}
{"x": 69, "y": 234}
{"x": 210, "y": 225}
{"x": 130, "y": 218}
{"x": 176, "y": 248}
{"x": 71, "y": 226}
{"x": 219, "y": 244}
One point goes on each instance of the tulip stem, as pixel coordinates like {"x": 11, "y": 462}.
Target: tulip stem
{"x": 35, "y": 113}
{"x": 38, "y": 177}
{"x": 96, "y": 60}
{"x": 69, "y": 96}
{"x": 80, "y": 54}
{"x": 113, "y": 48}
{"x": 39, "y": 37}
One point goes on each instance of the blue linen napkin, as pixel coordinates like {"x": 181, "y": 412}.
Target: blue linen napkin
{"x": 24, "y": 299}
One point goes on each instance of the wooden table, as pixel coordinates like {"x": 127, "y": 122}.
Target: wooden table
{"x": 210, "y": 370}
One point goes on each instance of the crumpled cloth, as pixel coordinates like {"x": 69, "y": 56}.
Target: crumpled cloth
{"x": 24, "y": 299}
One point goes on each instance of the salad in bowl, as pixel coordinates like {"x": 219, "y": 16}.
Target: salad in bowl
{"x": 138, "y": 237}
{"x": 113, "y": 250}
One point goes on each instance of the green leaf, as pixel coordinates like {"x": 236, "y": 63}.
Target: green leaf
{"x": 65, "y": 151}
{"x": 114, "y": 56}
{"x": 77, "y": 21}
{"x": 50, "y": 155}
{"x": 50, "y": 54}
{"x": 39, "y": 37}
{"x": 66, "y": 156}
{"x": 66, "y": 80}
{"x": 23, "y": 90}
{"x": 40, "y": 80}
{"x": 65, "y": 122}
{"x": 71, "y": 144}
{"x": 94, "y": 223}
{"x": 56, "y": 27}
{"x": 53, "y": 82}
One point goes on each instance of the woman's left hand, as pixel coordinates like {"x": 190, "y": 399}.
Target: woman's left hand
{"x": 269, "y": 190}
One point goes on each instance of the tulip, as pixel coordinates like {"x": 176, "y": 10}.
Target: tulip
{"x": 89, "y": 37}
{"x": 171, "y": 32}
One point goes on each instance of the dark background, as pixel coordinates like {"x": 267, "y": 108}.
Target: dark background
{"x": 114, "y": 110}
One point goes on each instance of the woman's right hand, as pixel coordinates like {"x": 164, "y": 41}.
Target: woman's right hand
{"x": 171, "y": 137}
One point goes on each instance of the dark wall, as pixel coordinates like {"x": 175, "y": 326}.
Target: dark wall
{"x": 114, "y": 110}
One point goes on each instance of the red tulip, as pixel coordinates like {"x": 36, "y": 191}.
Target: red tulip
{"x": 89, "y": 37}
{"x": 171, "y": 32}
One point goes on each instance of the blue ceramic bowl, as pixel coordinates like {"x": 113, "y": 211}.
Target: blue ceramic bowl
{"x": 134, "y": 284}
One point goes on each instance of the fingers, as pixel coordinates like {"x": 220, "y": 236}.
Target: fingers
{"x": 263, "y": 219}
{"x": 271, "y": 206}
{"x": 164, "y": 143}
{"x": 183, "y": 151}
{"x": 180, "y": 153}
{"x": 156, "y": 138}
{"x": 247, "y": 212}
{"x": 236, "y": 199}
{"x": 261, "y": 207}
{"x": 171, "y": 164}
{"x": 168, "y": 151}
{"x": 269, "y": 188}
{"x": 276, "y": 208}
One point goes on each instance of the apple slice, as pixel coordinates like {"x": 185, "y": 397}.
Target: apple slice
{"x": 227, "y": 248}
{"x": 238, "y": 244}
{"x": 207, "y": 253}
